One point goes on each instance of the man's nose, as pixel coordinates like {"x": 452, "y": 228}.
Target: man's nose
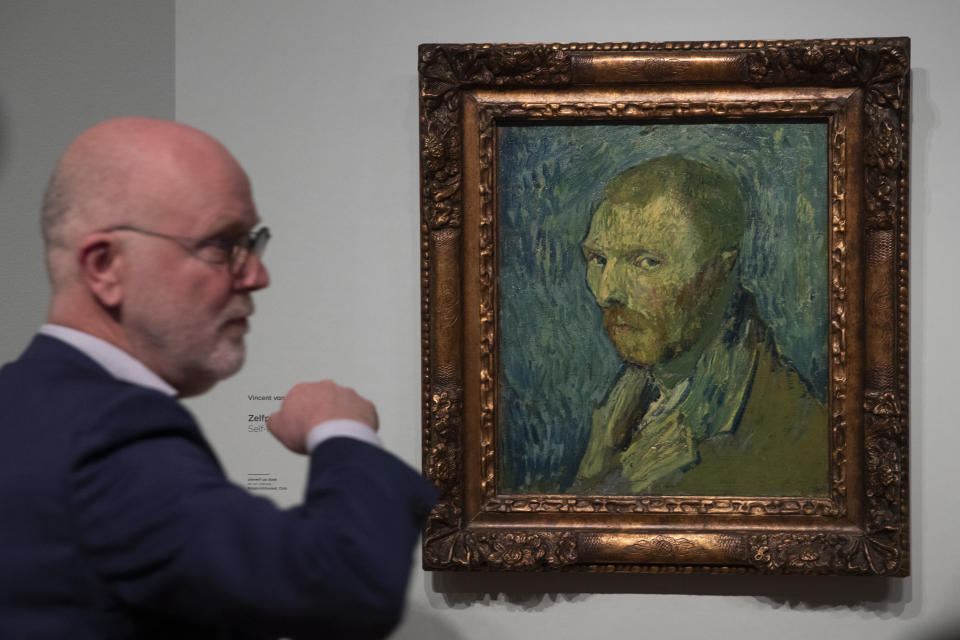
{"x": 609, "y": 289}
{"x": 253, "y": 275}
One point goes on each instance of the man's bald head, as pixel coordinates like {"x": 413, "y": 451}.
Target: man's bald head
{"x": 140, "y": 221}
{"x": 120, "y": 171}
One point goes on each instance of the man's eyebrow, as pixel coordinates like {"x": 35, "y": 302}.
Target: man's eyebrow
{"x": 629, "y": 254}
{"x": 232, "y": 226}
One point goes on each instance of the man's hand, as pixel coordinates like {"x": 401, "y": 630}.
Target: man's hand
{"x": 310, "y": 403}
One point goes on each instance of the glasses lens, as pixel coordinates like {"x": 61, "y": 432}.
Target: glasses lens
{"x": 259, "y": 242}
{"x": 252, "y": 243}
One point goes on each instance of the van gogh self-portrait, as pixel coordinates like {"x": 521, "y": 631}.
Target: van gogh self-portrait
{"x": 663, "y": 297}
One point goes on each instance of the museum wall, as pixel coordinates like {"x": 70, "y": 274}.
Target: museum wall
{"x": 319, "y": 102}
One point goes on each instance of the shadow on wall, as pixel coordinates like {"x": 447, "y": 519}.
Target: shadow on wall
{"x": 882, "y": 597}
{"x": 944, "y": 631}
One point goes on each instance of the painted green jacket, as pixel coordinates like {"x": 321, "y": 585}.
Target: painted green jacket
{"x": 745, "y": 424}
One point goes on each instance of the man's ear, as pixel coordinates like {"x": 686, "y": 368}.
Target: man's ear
{"x": 101, "y": 263}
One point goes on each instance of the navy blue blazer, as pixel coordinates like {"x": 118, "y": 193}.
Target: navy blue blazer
{"x": 116, "y": 521}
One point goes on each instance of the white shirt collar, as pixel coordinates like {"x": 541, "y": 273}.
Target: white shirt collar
{"x": 116, "y": 361}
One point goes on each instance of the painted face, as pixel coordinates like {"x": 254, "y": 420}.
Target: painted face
{"x": 186, "y": 314}
{"x": 653, "y": 275}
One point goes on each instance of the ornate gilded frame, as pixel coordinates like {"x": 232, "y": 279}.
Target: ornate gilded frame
{"x": 860, "y": 87}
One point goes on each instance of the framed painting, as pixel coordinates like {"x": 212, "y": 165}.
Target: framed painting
{"x": 665, "y": 306}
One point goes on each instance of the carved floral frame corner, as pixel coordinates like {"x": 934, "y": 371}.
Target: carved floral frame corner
{"x": 860, "y": 87}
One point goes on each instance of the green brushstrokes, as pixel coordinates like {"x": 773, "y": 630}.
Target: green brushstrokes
{"x": 557, "y": 363}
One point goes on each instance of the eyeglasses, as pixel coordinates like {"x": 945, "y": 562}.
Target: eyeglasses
{"x": 232, "y": 250}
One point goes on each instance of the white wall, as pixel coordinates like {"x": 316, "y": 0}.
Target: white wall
{"x": 319, "y": 101}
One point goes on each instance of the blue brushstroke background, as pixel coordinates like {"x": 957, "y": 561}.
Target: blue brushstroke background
{"x": 556, "y": 361}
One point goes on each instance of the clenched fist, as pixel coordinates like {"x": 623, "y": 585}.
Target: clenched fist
{"x": 310, "y": 403}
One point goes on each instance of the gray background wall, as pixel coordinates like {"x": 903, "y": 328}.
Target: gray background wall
{"x": 319, "y": 101}
{"x": 64, "y": 66}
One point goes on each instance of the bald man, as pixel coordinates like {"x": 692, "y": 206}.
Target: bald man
{"x": 704, "y": 404}
{"x": 117, "y": 520}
